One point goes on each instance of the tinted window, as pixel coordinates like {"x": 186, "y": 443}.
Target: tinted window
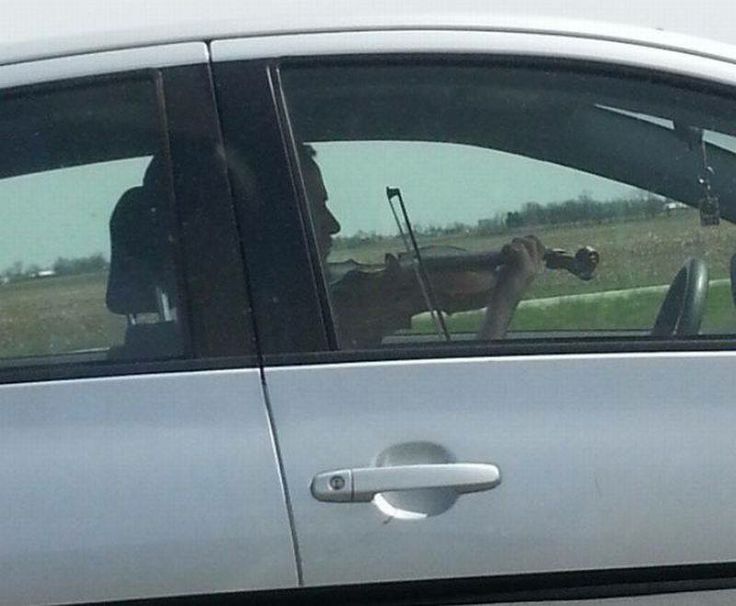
{"x": 87, "y": 267}
{"x": 633, "y": 180}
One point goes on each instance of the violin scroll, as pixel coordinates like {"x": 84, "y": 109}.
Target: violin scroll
{"x": 582, "y": 264}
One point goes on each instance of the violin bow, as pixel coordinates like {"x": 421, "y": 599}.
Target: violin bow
{"x": 410, "y": 244}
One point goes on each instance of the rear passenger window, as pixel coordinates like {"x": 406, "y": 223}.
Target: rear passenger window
{"x": 87, "y": 263}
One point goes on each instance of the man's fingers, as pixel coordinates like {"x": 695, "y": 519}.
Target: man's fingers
{"x": 530, "y": 246}
{"x": 525, "y": 246}
{"x": 525, "y": 254}
{"x": 540, "y": 249}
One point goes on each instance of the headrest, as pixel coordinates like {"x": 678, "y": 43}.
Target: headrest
{"x": 140, "y": 253}
{"x": 155, "y": 178}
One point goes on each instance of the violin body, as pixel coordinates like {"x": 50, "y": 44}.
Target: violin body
{"x": 375, "y": 300}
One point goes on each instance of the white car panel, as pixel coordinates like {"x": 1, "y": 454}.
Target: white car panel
{"x": 607, "y": 461}
{"x": 139, "y": 486}
{"x": 110, "y": 62}
{"x": 38, "y": 28}
{"x": 476, "y": 42}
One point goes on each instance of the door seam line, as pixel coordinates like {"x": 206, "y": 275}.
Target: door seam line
{"x": 256, "y": 337}
{"x": 282, "y": 478}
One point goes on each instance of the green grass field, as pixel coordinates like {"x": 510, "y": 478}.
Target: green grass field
{"x": 620, "y": 311}
{"x": 57, "y": 315}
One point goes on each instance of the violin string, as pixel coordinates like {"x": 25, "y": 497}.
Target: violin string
{"x": 417, "y": 263}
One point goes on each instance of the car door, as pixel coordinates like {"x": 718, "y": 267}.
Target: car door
{"x": 582, "y": 439}
{"x": 137, "y": 459}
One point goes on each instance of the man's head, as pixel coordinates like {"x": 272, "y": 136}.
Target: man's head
{"x": 325, "y": 224}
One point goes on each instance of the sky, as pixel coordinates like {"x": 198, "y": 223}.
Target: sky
{"x": 443, "y": 183}
{"x": 62, "y": 213}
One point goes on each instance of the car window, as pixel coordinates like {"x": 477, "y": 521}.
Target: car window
{"x": 87, "y": 264}
{"x": 624, "y": 182}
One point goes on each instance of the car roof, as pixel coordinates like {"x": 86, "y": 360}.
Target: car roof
{"x": 46, "y": 28}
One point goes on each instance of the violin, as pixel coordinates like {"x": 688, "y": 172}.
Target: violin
{"x": 447, "y": 258}
{"x": 372, "y": 300}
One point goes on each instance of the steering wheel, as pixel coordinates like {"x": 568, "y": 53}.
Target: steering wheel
{"x": 684, "y": 304}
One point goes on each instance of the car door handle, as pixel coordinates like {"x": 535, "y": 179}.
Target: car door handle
{"x": 361, "y": 485}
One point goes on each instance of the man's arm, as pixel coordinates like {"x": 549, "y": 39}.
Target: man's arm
{"x": 525, "y": 260}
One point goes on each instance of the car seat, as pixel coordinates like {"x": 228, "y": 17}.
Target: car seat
{"x": 142, "y": 280}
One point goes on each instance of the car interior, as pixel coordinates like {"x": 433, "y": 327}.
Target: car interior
{"x": 78, "y": 126}
{"x": 673, "y": 142}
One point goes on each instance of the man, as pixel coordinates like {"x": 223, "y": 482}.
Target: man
{"x": 370, "y": 306}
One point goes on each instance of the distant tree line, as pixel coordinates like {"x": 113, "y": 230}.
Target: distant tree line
{"x": 61, "y": 267}
{"x": 582, "y": 210}
{"x": 80, "y": 265}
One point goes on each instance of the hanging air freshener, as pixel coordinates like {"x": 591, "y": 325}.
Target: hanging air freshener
{"x": 710, "y": 208}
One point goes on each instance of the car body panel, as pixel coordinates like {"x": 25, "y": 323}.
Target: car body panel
{"x": 154, "y": 483}
{"x": 79, "y": 66}
{"x": 586, "y": 482}
{"x": 601, "y": 456}
{"x": 38, "y": 29}
{"x": 484, "y": 43}
{"x": 607, "y": 461}
{"x": 137, "y": 486}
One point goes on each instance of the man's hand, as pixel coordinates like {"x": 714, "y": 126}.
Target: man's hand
{"x": 524, "y": 261}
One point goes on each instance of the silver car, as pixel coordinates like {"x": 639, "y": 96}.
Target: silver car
{"x": 367, "y": 303}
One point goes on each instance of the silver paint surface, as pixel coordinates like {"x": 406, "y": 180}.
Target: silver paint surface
{"x": 608, "y": 461}
{"x": 139, "y": 486}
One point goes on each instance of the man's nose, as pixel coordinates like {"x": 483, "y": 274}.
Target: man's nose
{"x": 333, "y": 225}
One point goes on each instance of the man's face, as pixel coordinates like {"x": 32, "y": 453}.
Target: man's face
{"x": 325, "y": 224}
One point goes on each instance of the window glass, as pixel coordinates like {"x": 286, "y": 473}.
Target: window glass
{"x": 543, "y": 204}
{"x": 86, "y": 257}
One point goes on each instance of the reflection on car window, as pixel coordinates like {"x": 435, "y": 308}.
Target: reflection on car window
{"x": 86, "y": 263}
{"x": 477, "y": 160}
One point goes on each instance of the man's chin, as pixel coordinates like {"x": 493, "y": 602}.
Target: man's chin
{"x": 324, "y": 249}
{"x": 324, "y": 252}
